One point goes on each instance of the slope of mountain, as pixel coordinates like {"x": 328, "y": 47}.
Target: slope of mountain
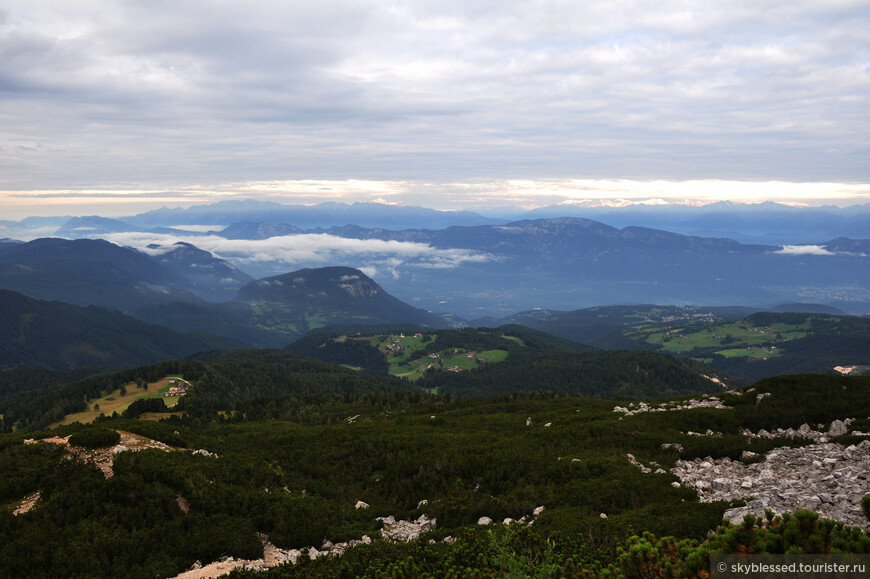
{"x": 767, "y": 223}
{"x": 31, "y": 227}
{"x": 60, "y": 336}
{"x": 767, "y": 344}
{"x": 412, "y": 353}
{"x": 612, "y": 373}
{"x": 96, "y": 272}
{"x": 87, "y": 272}
{"x": 208, "y": 277}
{"x": 328, "y": 296}
{"x": 745, "y": 343}
{"x": 267, "y": 426}
{"x": 272, "y": 312}
{"x": 89, "y": 226}
{"x": 604, "y": 326}
{"x": 567, "y": 263}
{"x": 257, "y": 230}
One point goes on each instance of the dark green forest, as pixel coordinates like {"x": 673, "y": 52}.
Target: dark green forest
{"x": 291, "y": 453}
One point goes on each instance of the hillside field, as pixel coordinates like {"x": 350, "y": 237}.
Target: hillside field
{"x": 406, "y": 358}
{"x": 116, "y": 402}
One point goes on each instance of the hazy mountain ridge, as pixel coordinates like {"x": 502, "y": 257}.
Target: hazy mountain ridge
{"x": 308, "y": 216}
{"x": 768, "y": 223}
{"x": 561, "y": 262}
{"x": 765, "y": 223}
{"x": 96, "y": 272}
{"x": 211, "y": 278}
{"x": 59, "y": 336}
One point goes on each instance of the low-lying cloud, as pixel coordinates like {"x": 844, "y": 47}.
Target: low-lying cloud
{"x": 274, "y": 255}
{"x": 804, "y": 250}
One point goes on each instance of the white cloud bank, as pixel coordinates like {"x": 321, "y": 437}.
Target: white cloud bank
{"x": 286, "y": 253}
{"x": 804, "y": 250}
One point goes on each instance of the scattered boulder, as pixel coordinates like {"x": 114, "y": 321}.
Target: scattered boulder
{"x": 361, "y": 505}
{"x": 838, "y": 428}
{"x": 203, "y": 452}
{"x": 635, "y": 462}
{"x": 405, "y": 530}
{"x": 484, "y": 521}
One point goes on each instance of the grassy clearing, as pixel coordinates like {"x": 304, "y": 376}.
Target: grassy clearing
{"x": 116, "y": 402}
{"x": 755, "y": 354}
{"x": 406, "y": 360}
{"x": 728, "y": 339}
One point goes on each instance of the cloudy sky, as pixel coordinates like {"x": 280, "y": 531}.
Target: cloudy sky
{"x": 118, "y": 106}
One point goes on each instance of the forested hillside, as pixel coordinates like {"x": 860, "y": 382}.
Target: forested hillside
{"x": 294, "y": 468}
{"x": 59, "y": 336}
{"x": 744, "y": 344}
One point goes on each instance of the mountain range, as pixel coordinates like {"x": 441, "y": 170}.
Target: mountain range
{"x": 189, "y": 290}
{"x": 768, "y": 223}
{"x": 484, "y": 270}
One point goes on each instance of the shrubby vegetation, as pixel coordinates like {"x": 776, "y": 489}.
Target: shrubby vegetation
{"x": 94, "y": 438}
{"x": 294, "y": 466}
{"x": 517, "y": 551}
{"x": 623, "y": 374}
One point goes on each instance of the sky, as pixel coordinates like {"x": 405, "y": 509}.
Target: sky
{"x": 115, "y": 107}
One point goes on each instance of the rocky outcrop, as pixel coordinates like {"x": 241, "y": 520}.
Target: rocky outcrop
{"x": 639, "y": 407}
{"x": 826, "y": 478}
{"x": 837, "y": 428}
{"x": 404, "y": 531}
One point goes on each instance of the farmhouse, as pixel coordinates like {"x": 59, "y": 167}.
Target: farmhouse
{"x": 177, "y": 387}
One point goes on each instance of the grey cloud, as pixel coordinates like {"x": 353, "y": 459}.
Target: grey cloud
{"x": 134, "y": 92}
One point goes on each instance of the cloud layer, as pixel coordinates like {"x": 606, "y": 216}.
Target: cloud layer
{"x": 281, "y": 254}
{"x": 167, "y": 96}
